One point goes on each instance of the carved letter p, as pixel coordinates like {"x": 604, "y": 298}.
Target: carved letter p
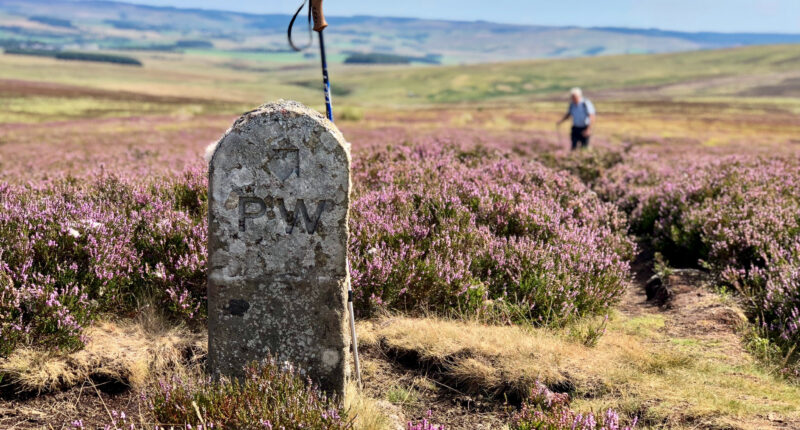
{"x": 244, "y": 214}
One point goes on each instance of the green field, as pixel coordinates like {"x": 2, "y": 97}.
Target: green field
{"x": 712, "y": 97}
{"x": 754, "y": 76}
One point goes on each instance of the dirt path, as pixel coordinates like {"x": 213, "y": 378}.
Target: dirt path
{"x": 695, "y": 313}
{"x": 686, "y": 300}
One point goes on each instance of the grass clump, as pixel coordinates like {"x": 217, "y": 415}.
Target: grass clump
{"x": 588, "y": 331}
{"x": 401, "y": 396}
{"x": 366, "y": 412}
{"x": 350, "y": 113}
{"x": 772, "y": 354}
{"x": 125, "y": 353}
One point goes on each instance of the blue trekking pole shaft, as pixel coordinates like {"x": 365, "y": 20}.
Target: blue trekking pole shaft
{"x": 325, "y": 80}
{"x": 319, "y": 25}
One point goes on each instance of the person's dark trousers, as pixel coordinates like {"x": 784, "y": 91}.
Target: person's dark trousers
{"x": 578, "y": 137}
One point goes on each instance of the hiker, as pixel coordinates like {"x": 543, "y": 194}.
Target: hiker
{"x": 582, "y": 112}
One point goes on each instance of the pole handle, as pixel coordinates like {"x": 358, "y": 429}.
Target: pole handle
{"x": 318, "y": 15}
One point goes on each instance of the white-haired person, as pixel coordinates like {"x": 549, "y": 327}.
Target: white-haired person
{"x": 583, "y": 114}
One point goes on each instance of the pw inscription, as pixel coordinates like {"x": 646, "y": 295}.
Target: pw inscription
{"x": 300, "y": 212}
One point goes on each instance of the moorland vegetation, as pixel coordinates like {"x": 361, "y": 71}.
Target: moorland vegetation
{"x": 468, "y": 222}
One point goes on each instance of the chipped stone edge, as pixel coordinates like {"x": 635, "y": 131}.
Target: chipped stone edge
{"x": 268, "y": 108}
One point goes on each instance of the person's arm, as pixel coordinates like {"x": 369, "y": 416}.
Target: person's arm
{"x": 566, "y": 117}
{"x": 588, "y": 130}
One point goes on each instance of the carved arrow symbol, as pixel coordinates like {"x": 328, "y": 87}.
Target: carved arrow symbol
{"x": 283, "y": 162}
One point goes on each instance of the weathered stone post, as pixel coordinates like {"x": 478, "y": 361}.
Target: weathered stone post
{"x": 279, "y": 195}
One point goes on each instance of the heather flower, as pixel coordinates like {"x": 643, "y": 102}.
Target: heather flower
{"x": 72, "y": 249}
{"x": 441, "y": 229}
{"x": 425, "y": 424}
{"x": 545, "y": 409}
{"x": 267, "y": 397}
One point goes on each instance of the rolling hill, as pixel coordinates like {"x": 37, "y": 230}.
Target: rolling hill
{"x": 105, "y": 25}
{"x": 759, "y": 77}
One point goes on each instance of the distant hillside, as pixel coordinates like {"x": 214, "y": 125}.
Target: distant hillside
{"x": 91, "y": 25}
{"x": 763, "y": 72}
{"x": 711, "y": 40}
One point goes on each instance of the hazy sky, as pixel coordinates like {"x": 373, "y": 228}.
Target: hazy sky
{"x": 782, "y": 16}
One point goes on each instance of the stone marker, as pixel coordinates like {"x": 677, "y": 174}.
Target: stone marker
{"x": 279, "y": 195}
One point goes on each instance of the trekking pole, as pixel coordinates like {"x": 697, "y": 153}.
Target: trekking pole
{"x": 353, "y": 325}
{"x": 319, "y": 26}
{"x": 315, "y": 12}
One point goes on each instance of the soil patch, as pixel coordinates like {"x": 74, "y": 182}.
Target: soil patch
{"x": 88, "y": 402}
{"x": 447, "y": 405}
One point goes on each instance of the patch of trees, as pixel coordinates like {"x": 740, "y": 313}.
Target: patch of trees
{"x": 337, "y": 90}
{"x": 152, "y": 47}
{"x": 594, "y": 50}
{"x": 9, "y": 44}
{"x": 76, "y": 56}
{"x": 29, "y": 32}
{"x": 194, "y": 44}
{"x": 32, "y": 52}
{"x": 133, "y": 25}
{"x": 53, "y": 22}
{"x": 178, "y": 46}
{"x": 266, "y": 50}
{"x": 381, "y": 58}
{"x": 102, "y": 58}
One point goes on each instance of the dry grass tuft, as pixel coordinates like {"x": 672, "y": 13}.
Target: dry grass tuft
{"x": 478, "y": 358}
{"x": 130, "y": 353}
{"x": 635, "y": 368}
{"x": 371, "y": 414}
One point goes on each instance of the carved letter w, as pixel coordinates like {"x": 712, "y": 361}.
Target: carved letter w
{"x": 292, "y": 218}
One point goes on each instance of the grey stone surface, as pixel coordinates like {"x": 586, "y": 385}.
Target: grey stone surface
{"x": 279, "y": 194}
